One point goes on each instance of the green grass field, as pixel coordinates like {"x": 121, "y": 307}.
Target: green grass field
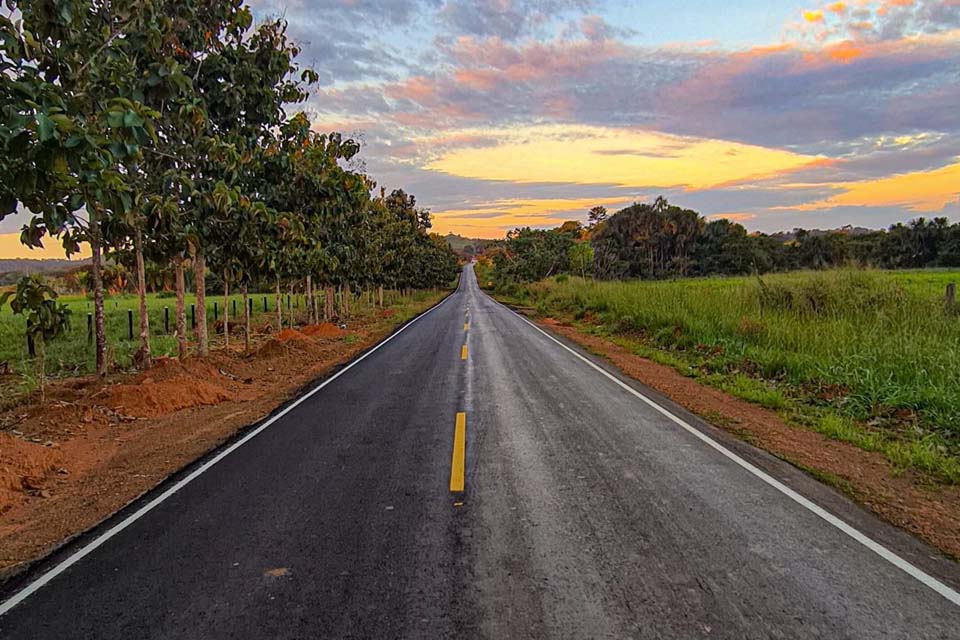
{"x": 74, "y": 353}
{"x": 864, "y": 356}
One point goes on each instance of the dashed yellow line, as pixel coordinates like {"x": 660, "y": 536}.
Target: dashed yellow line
{"x": 463, "y": 352}
{"x": 466, "y": 326}
{"x": 459, "y": 453}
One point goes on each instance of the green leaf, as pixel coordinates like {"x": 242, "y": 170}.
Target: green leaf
{"x": 132, "y": 120}
{"x": 46, "y": 129}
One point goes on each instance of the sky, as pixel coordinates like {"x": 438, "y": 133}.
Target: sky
{"x": 776, "y": 114}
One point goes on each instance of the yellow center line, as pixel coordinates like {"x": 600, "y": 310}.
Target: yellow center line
{"x": 459, "y": 453}
{"x": 463, "y": 352}
{"x": 466, "y": 326}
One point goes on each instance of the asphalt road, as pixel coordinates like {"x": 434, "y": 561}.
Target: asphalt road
{"x": 586, "y": 513}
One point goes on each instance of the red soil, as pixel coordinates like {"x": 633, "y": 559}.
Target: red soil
{"x": 324, "y": 330}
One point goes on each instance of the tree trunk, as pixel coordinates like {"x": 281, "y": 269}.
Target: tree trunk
{"x": 199, "y": 273}
{"x": 42, "y": 360}
{"x": 143, "y": 354}
{"x": 311, "y": 308}
{"x": 246, "y": 320}
{"x": 97, "y": 275}
{"x": 180, "y": 286}
{"x": 380, "y": 295}
{"x": 226, "y": 309}
{"x": 328, "y": 303}
{"x": 293, "y": 314}
{"x": 279, "y": 308}
{"x": 347, "y": 295}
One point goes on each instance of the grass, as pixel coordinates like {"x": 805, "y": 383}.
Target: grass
{"x": 867, "y": 357}
{"x": 73, "y": 354}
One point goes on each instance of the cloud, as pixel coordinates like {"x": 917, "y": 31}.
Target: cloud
{"x": 497, "y": 216}
{"x": 570, "y": 154}
{"x": 338, "y": 37}
{"x": 877, "y": 20}
{"x": 505, "y": 19}
{"x": 792, "y": 95}
{"x": 920, "y": 192}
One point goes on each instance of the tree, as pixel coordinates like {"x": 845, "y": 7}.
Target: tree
{"x": 70, "y": 79}
{"x": 580, "y": 256}
{"x": 46, "y": 318}
{"x": 596, "y": 216}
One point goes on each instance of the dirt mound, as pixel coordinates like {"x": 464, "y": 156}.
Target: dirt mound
{"x": 165, "y": 369}
{"x": 290, "y": 334}
{"x": 323, "y": 330}
{"x": 151, "y": 397}
{"x": 287, "y": 341}
{"x": 24, "y": 467}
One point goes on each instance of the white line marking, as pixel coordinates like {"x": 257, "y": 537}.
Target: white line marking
{"x": 34, "y": 586}
{"x": 862, "y": 538}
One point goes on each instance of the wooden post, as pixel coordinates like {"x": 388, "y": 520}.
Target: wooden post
{"x": 166, "y": 320}
{"x": 951, "y": 297}
{"x": 130, "y": 324}
{"x": 89, "y": 328}
{"x": 193, "y": 316}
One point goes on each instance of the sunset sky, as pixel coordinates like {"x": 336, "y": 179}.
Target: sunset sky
{"x": 499, "y": 113}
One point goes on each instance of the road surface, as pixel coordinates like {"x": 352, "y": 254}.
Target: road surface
{"x": 586, "y": 512}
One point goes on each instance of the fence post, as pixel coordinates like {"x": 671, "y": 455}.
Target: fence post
{"x": 89, "y": 328}
{"x": 250, "y": 301}
{"x": 234, "y": 302}
{"x": 215, "y": 311}
{"x": 193, "y": 316}
{"x": 130, "y": 324}
{"x": 166, "y": 319}
{"x": 951, "y": 297}
{"x": 265, "y": 304}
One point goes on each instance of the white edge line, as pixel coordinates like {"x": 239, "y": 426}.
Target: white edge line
{"x": 40, "y": 582}
{"x": 913, "y": 571}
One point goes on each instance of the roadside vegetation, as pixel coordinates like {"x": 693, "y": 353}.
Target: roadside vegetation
{"x": 71, "y": 353}
{"x": 158, "y": 134}
{"x": 860, "y": 354}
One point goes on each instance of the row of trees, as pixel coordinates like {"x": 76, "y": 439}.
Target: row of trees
{"x": 660, "y": 240}
{"x": 156, "y": 131}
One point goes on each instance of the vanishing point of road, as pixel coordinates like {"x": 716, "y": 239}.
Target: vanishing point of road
{"x": 474, "y": 477}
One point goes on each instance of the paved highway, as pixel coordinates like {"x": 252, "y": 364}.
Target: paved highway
{"x": 473, "y": 477}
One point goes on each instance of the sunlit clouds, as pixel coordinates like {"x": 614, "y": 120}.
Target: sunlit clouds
{"x": 631, "y": 158}
{"x": 498, "y": 113}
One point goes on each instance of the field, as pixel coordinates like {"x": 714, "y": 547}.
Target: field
{"x": 868, "y": 357}
{"x": 73, "y": 354}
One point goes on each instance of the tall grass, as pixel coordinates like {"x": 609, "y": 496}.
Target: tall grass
{"x": 875, "y": 347}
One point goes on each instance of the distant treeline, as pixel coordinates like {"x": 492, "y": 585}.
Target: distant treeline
{"x": 660, "y": 240}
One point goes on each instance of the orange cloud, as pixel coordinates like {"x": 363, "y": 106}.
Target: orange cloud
{"x": 844, "y": 52}
{"x": 580, "y": 154}
{"x": 735, "y": 217}
{"x": 919, "y": 191}
{"x": 837, "y": 7}
{"x": 491, "y": 219}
